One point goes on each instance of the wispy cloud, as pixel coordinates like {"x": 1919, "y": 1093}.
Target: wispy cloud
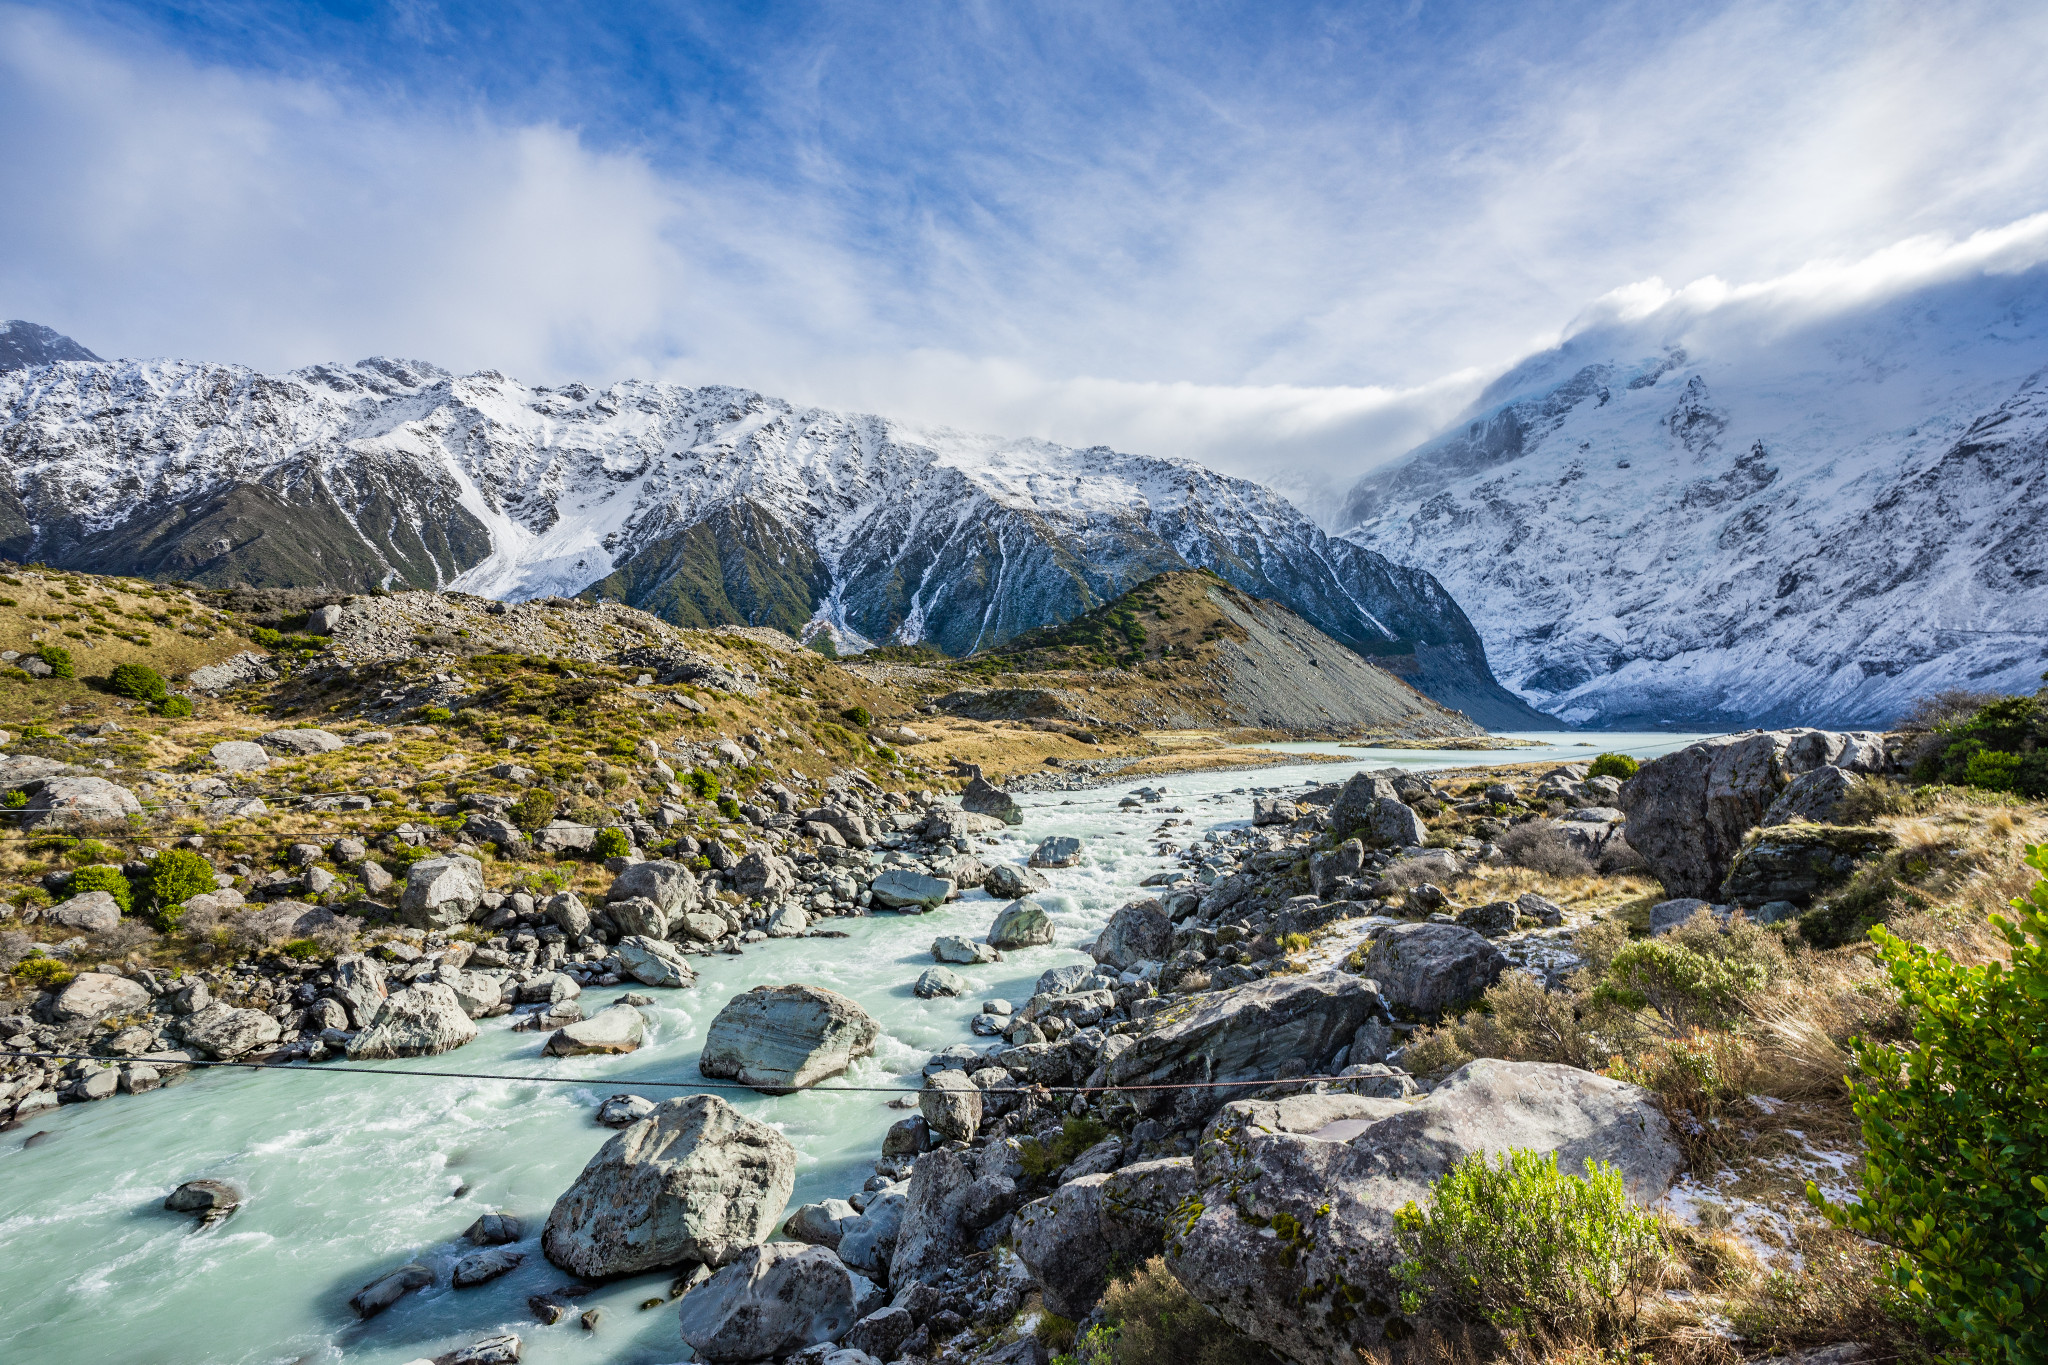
{"x": 1289, "y": 242}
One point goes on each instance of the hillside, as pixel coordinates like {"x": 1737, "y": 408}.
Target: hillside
{"x": 704, "y": 506}
{"x": 24, "y": 345}
{"x": 1743, "y": 514}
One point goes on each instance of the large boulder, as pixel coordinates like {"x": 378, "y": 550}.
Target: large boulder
{"x": 359, "y": 986}
{"x": 1058, "y": 850}
{"x": 479, "y": 993}
{"x": 1021, "y": 924}
{"x": 951, "y": 1104}
{"x": 442, "y": 893}
{"x": 961, "y": 950}
{"x": 695, "y": 1182}
{"x": 1812, "y": 798}
{"x": 869, "y": 1242}
{"x": 68, "y": 801}
{"x": 772, "y": 1302}
{"x": 1391, "y": 822}
{"x": 902, "y": 889}
{"x": 762, "y": 875}
{"x": 1327, "y": 870}
{"x": 239, "y": 756}
{"x": 1799, "y": 862}
{"x": 1425, "y": 969}
{"x": 418, "y": 1021}
{"x": 564, "y": 836}
{"x": 1009, "y": 882}
{"x": 982, "y": 798}
{"x": 301, "y": 742}
{"x": 222, "y": 1031}
{"x": 783, "y": 1038}
{"x": 1323, "y": 1294}
{"x": 91, "y": 912}
{"x": 933, "y": 982}
{"x": 1247, "y": 1035}
{"x": 1073, "y": 1239}
{"x": 1352, "y": 809}
{"x": 667, "y": 884}
{"x": 616, "y": 1029}
{"x": 1138, "y": 932}
{"x": 653, "y": 962}
{"x": 956, "y": 1206}
{"x": 1687, "y": 811}
{"x": 283, "y": 921}
{"x": 93, "y": 996}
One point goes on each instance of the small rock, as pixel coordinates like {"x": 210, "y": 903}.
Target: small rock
{"x": 387, "y": 1289}
{"x": 494, "y": 1229}
{"x": 1021, "y": 924}
{"x": 937, "y": 981}
{"x": 210, "y": 1199}
{"x": 481, "y": 1267}
{"x": 957, "y": 949}
{"x": 1007, "y": 881}
{"x": 1056, "y": 852}
{"x": 616, "y": 1029}
{"x": 621, "y": 1110}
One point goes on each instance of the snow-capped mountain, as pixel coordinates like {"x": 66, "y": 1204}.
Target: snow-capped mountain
{"x": 1747, "y": 510}
{"x": 704, "y": 505}
{"x": 23, "y": 344}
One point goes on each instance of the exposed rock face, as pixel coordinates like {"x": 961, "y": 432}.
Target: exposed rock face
{"x": 652, "y": 962}
{"x": 667, "y": 884}
{"x": 91, "y": 912}
{"x": 985, "y": 799}
{"x": 1426, "y": 969}
{"x": 1073, "y": 1238}
{"x": 694, "y": 1182}
{"x": 957, "y": 1201}
{"x": 442, "y": 893}
{"x": 1344, "y": 1181}
{"x": 1799, "y": 862}
{"x": 1688, "y": 811}
{"x": 900, "y": 889}
{"x": 1137, "y": 932}
{"x": 762, "y": 875}
{"x": 617, "y": 1029}
{"x": 300, "y": 742}
{"x": 1245, "y": 1034}
{"x": 773, "y": 1301}
{"x": 1007, "y": 881}
{"x": 1812, "y": 797}
{"x": 418, "y": 1021}
{"x": 1021, "y": 924}
{"x": 239, "y": 756}
{"x": 782, "y": 1038}
{"x": 1394, "y": 824}
{"x": 1352, "y": 810}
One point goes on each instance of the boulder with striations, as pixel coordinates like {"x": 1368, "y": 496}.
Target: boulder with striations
{"x": 783, "y": 1038}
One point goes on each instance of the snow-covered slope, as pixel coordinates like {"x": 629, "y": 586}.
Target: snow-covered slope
{"x": 1750, "y": 511}
{"x": 23, "y": 344}
{"x": 703, "y": 505}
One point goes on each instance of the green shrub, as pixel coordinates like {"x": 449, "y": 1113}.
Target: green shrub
{"x": 1685, "y": 988}
{"x": 611, "y": 842}
{"x": 857, "y": 716}
{"x": 176, "y": 875}
{"x": 1149, "y": 1318}
{"x": 436, "y": 715}
{"x": 534, "y": 809}
{"x": 15, "y": 799}
{"x": 1955, "y": 1134}
{"x": 87, "y": 851}
{"x": 138, "y": 681}
{"x": 303, "y": 950}
{"x": 1077, "y": 1134}
{"x": 2000, "y": 746}
{"x": 1992, "y": 770}
{"x": 729, "y": 808}
{"x": 702, "y": 785}
{"x": 175, "y": 707}
{"x": 1522, "y": 1245}
{"x": 59, "y": 660}
{"x": 44, "y": 973}
{"x": 101, "y": 877}
{"x": 1614, "y": 765}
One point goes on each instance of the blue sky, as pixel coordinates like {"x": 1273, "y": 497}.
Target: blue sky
{"x": 1288, "y": 239}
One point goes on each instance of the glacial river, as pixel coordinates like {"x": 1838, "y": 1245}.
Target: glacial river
{"x": 349, "y": 1175}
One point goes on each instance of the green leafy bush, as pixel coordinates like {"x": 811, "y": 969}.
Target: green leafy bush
{"x": 534, "y": 809}
{"x": 15, "y": 799}
{"x": 1524, "y": 1246}
{"x": 101, "y": 877}
{"x": 1992, "y": 770}
{"x": 44, "y": 973}
{"x": 176, "y": 875}
{"x": 1619, "y": 766}
{"x": 1077, "y": 1134}
{"x": 611, "y": 842}
{"x": 436, "y": 715}
{"x": 138, "y": 681}
{"x": 729, "y": 808}
{"x": 857, "y": 715}
{"x": 303, "y": 950}
{"x": 175, "y": 707}
{"x": 1685, "y": 988}
{"x": 2000, "y": 746}
{"x": 1955, "y": 1132}
{"x": 702, "y": 785}
{"x": 59, "y": 660}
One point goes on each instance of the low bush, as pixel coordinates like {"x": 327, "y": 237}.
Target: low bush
{"x": 1149, "y": 1318}
{"x": 728, "y": 807}
{"x": 1955, "y": 1132}
{"x": 1619, "y": 766}
{"x": 857, "y": 716}
{"x": 1526, "y": 1248}
{"x": 43, "y": 973}
{"x": 101, "y": 877}
{"x": 59, "y": 660}
{"x": 611, "y": 842}
{"x": 1077, "y": 1134}
{"x": 175, "y": 707}
{"x": 702, "y": 785}
{"x": 534, "y": 809}
{"x": 176, "y": 875}
{"x": 2001, "y": 746}
{"x": 138, "y": 681}
{"x": 1543, "y": 848}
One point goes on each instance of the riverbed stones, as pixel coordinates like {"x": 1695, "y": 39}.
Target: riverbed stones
{"x": 782, "y": 1038}
{"x": 1425, "y": 969}
{"x": 239, "y": 756}
{"x": 951, "y": 1104}
{"x": 821, "y": 1224}
{"x": 223, "y": 1032}
{"x": 207, "y": 1200}
{"x": 1021, "y": 924}
{"x": 655, "y": 962}
{"x": 615, "y": 1029}
{"x": 958, "y": 948}
{"x": 696, "y": 1182}
{"x": 90, "y": 912}
{"x": 1057, "y": 851}
{"x": 901, "y": 889}
{"x": 620, "y": 1111}
{"x": 1352, "y": 808}
{"x": 1138, "y": 932}
{"x": 933, "y": 982}
{"x": 494, "y": 1229}
{"x": 1009, "y": 882}
{"x": 481, "y": 1267}
{"x": 773, "y": 1301}
{"x": 93, "y": 996}
{"x": 419, "y": 1021}
{"x": 983, "y": 798}
{"x": 442, "y": 893}
{"x": 1247, "y": 1035}
{"x": 388, "y": 1288}
{"x": 1343, "y": 1182}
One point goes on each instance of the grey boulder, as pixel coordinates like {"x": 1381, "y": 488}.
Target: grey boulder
{"x": 783, "y": 1038}
{"x": 655, "y": 962}
{"x": 239, "y": 756}
{"x": 1137, "y": 932}
{"x": 90, "y": 912}
{"x": 1007, "y": 881}
{"x": 419, "y": 1021}
{"x": 1021, "y": 924}
{"x": 962, "y": 951}
{"x": 481, "y": 1267}
{"x": 983, "y": 798}
{"x": 1812, "y": 798}
{"x": 616, "y": 1029}
{"x": 618, "y": 1111}
{"x": 63, "y": 801}
{"x": 442, "y": 893}
{"x": 951, "y": 1104}
{"x": 300, "y": 742}
{"x": 209, "y": 1199}
{"x": 1799, "y": 862}
{"x": 821, "y": 1224}
{"x": 773, "y": 1301}
{"x": 1426, "y": 969}
{"x": 936, "y": 981}
{"x": 1343, "y": 1179}
{"x": 1391, "y": 822}
{"x": 93, "y": 996}
{"x": 1073, "y": 1238}
{"x": 387, "y": 1289}
{"x": 1057, "y": 851}
{"x": 695, "y": 1181}
{"x": 1352, "y": 809}
{"x": 901, "y": 889}
{"x": 223, "y": 1032}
